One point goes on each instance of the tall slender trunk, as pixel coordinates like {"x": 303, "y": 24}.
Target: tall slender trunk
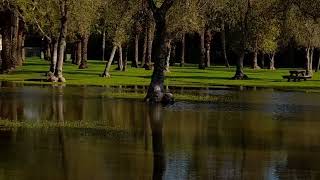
{"x": 183, "y": 49}
{"x": 125, "y": 61}
{"x": 120, "y": 61}
{"x": 167, "y": 69}
{"x": 6, "y": 50}
{"x": 223, "y": 44}
{"x": 150, "y": 44}
{"x": 255, "y": 65}
{"x": 53, "y": 62}
{"x": 262, "y": 60}
{"x": 136, "y": 52}
{"x": 208, "y": 40}
{"x": 47, "y": 54}
{"x": 103, "y": 44}
{"x": 318, "y": 65}
{"x": 173, "y": 54}
{"x": 14, "y": 40}
{"x": 20, "y": 43}
{"x": 202, "y": 63}
{"x": 309, "y": 60}
{"x": 84, "y": 52}
{"x": 62, "y": 40}
{"x": 271, "y": 65}
{"x": 65, "y": 55}
{"x": 54, "y": 58}
{"x": 23, "y": 50}
{"x": 145, "y": 47}
{"x": 108, "y": 65}
{"x": 78, "y": 52}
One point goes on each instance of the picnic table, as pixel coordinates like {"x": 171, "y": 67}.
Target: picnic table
{"x": 297, "y": 75}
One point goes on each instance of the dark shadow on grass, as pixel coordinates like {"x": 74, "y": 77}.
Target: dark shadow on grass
{"x": 36, "y": 64}
{"x": 206, "y": 77}
{"x": 26, "y": 72}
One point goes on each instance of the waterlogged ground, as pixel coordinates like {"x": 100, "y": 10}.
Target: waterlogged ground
{"x": 80, "y": 133}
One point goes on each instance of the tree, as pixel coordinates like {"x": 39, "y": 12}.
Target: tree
{"x": 83, "y": 17}
{"x": 12, "y": 28}
{"x": 156, "y": 88}
{"x": 306, "y": 32}
{"x": 119, "y": 18}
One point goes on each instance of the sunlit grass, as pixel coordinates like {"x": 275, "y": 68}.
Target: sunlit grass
{"x": 190, "y": 76}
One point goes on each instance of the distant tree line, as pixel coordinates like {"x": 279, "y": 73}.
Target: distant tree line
{"x": 248, "y": 29}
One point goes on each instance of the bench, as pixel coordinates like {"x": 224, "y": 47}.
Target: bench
{"x": 296, "y": 78}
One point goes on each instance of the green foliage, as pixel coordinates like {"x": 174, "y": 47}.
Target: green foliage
{"x": 118, "y": 18}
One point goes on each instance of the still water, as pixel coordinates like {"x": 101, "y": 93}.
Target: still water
{"x": 250, "y": 134}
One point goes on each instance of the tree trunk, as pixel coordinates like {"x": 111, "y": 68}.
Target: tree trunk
{"x": 309, "y": 58}
{"x": 103, "y": 44}
{"x": 223, "y": 44}
{"x": 271, "y": 66}
{"x": 78, "y": 53}
{"x": 173, "y": 54}
{"x": 255, "y": 65}
{"x": 156, "y": 88}
{"x": 150, "y": 44}
{"x": 84, "y": 52}
{"x": 120, "y": 61}
{"x": 47, "y": 54}
{"x": 54, "y": 57}
{"x": 53, "y": 62}
{"x": 125, "y": 62}
{"x": 145, "y": 47}
{"x": 262, "y": 61}
{"x": 20, "y": 43}
{"x": 14, "y": 40}
{"x": 167, "y": 69}
{"x": 202, "y": 64}
{"x": 318, "y": 65}
{"x": 65, "y": 55}
{"x": 183, "y": 49}
{"x": 136, "y": 52}
{"x": 239, "y": 72}
{"x": 108, "y": 65}
{"x": 208, "y": 40}
{"x": 23, "y": 50}
{"x": 6, "y": 50}
{"x": 62, "y": 40}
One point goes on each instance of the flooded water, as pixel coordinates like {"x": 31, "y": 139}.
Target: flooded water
{"x": 252, "y": 134}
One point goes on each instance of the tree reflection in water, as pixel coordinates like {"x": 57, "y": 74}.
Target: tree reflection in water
{"x": 156, "y": 121}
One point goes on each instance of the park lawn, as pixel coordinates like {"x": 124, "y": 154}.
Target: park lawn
{"x": 34, "y": 70}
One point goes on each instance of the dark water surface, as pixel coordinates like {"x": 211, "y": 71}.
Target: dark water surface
{"x": 254, "y": 134}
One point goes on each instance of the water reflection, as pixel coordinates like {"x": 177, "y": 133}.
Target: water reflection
{"x": 156, "y": 121}
{"x": 257, "y": 135}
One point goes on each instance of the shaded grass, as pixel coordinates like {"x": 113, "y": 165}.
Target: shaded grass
{"x": 34, "y": 71}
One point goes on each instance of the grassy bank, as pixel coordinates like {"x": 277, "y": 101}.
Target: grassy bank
{"x": 34, "y": 69}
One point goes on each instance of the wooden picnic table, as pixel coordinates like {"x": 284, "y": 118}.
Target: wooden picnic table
{"x": 297, "y": 75}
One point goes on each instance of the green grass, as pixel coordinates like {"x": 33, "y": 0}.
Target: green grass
{"x": 189, "y": 76}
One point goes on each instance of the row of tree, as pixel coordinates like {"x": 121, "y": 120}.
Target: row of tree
{"x": 252, "y": 26}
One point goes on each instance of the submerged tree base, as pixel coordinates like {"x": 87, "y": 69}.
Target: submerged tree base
{"x": 52, "y": 78}
{"x": 158, "y": 96}
{"x": 83, "y": 66}
{"x": 240, "y": 77}
{"x": 105, "y": 75}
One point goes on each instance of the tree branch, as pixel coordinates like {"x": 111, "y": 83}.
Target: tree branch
{"x": 152, "y": 5}
{"x": 41, "y": 30}
{"x": 166, "y": 5}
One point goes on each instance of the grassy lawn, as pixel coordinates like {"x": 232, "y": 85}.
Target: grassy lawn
{"x": 34, "y": 69}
